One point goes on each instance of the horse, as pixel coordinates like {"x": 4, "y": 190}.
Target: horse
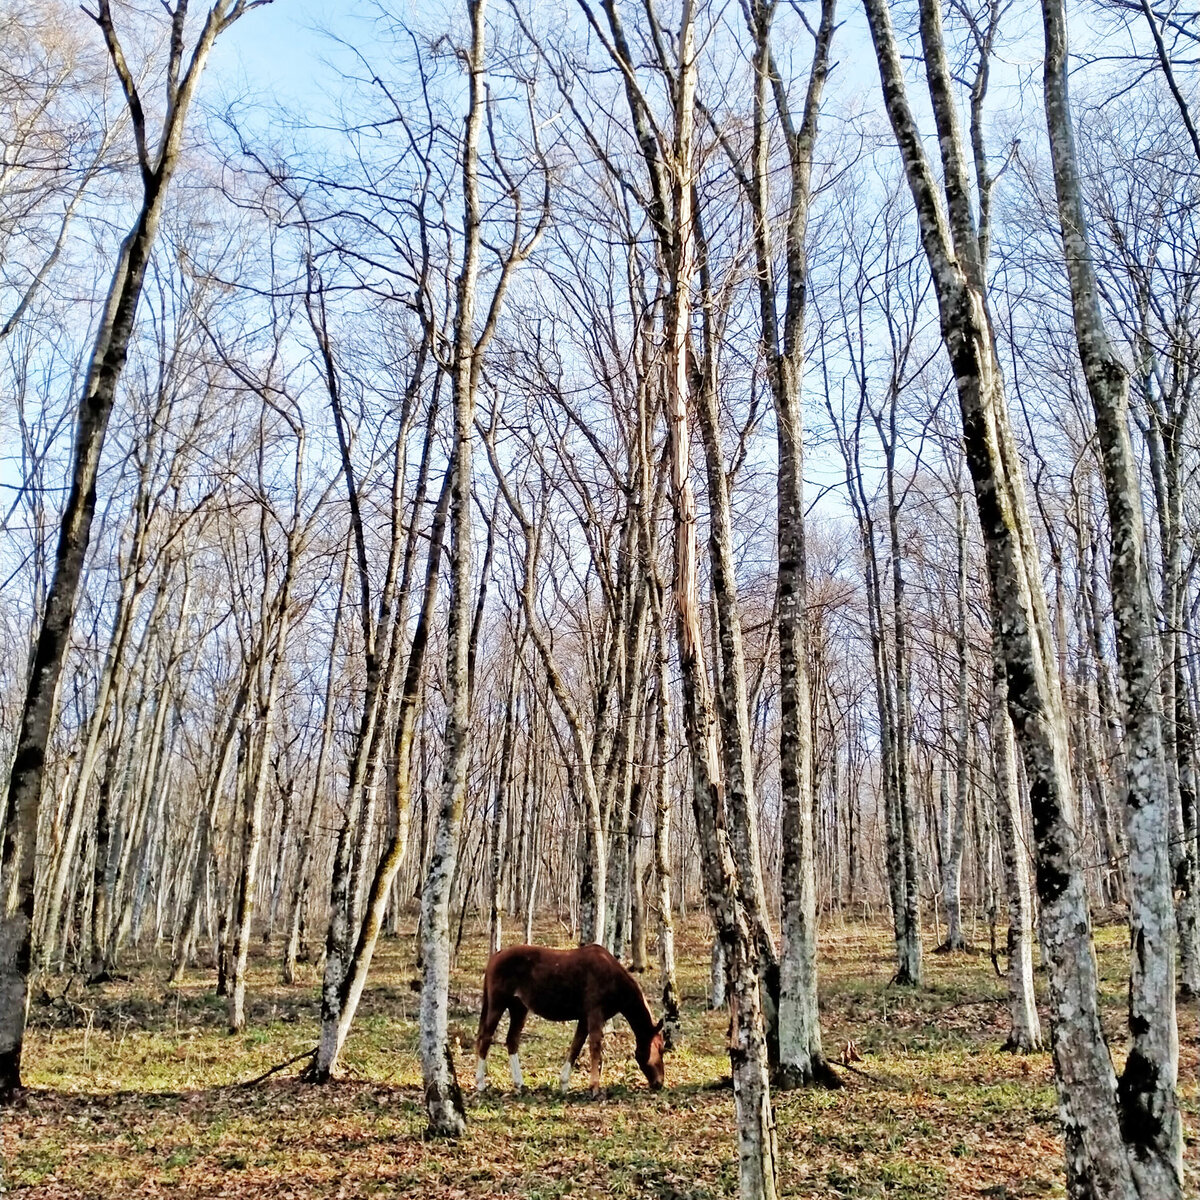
{"x": 586, "y": 984}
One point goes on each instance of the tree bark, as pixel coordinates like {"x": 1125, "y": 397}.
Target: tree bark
{"x": 727, "y": 894}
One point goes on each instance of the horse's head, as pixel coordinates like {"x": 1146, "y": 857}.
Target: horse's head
{"x": 649, "y": 1055}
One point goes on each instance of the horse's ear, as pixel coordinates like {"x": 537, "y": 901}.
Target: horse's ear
{"x": 659, "y": 1027}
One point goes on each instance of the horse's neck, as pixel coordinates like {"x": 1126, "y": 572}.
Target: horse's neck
{"x": 636, "y": 1011}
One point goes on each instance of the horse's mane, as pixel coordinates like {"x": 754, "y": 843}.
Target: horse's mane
{"x": 637, "y": 1012}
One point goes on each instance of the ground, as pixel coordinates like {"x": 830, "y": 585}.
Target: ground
{"x": 134, "y": 1091}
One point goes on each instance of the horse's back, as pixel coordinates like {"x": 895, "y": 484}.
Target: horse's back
{"x": 557, "y": 984}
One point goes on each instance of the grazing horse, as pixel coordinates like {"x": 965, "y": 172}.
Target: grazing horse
{"x": 586, "y": 985}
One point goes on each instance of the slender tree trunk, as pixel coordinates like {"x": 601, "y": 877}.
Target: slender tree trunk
{"x": 1164, "y": 436}
{"x": 335, "y": 1024}
{"x": 499, "y": 805}
{"x": 304, "y": 854}
{"x": 729, "y": 897}
{"x": 1025, "y": 1028}
{"x": 909, "y": 971}
{"x": 256, "y": 795}
{"x": 211, "y": 804}
{"x": 443, "y": 1098}
{"x": 110, "y": 684}
{"x": 952, "y": 845}
{"x": 661, "y": 776}
{"x": 800, "y": 1056}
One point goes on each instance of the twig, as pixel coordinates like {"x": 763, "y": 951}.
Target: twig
{"x": 279, "y": 1067}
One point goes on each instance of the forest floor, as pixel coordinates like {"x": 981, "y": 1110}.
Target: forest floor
{"x": 134, "y": 1092}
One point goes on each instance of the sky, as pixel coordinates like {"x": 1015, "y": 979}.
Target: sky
{"x": 279, "y": 57}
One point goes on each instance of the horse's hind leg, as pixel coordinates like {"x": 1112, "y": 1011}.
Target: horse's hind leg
{"x": 577, "y": 1041}
{"x": 517, "y": 1012}
{"x": 489, "y": 1018}
{"x": 596, "y": 1049}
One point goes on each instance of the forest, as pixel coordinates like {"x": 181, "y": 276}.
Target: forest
{"x": 712, "y": 478}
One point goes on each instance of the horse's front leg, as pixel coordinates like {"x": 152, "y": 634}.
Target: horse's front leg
{"x": 581, "y": 1032}
{"x": 489, "y": 1018}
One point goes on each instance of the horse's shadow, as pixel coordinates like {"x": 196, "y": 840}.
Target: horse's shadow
{"x": 550, "y": 1095}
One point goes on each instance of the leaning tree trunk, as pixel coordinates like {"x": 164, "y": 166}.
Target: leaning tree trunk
{"x": 211, "y": 801}
{"x": 108, "y": 689}
{"x": 305, "y": 855}
{"x": 18, "y": 857}
{"x": 336, "y": 1022}
{"x": 731, "y": 692}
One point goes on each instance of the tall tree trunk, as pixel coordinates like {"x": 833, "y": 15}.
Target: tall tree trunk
{"x": 211, "y": 801}
{"x": 499, "y": 805}
{"x": 1164, "y": 441}
{"x": 728, "y": 896}
{"x": 109, "y": 685}
{"x": 443, "y": 1099}
{"x": 263, "y": 735}
{"x": 909, "y": 970}
{"x": 662, "y": 832}
{"x": 1097, "y": 1163}
{"x": 1150, "y": 1119}
{"x": 800, "y": 1056}
{"x": 335, "y": 1023}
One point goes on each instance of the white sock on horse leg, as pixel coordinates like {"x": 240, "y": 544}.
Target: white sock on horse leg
{"x": 564, "y": 1076}
{"x": 514, "y": 1062}
{"x": 481, "y": 1075}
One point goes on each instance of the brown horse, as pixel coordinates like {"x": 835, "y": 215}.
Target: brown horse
{"x": 586, "y": 985}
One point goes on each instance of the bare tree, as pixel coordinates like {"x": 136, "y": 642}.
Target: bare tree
{"x": 443, "y": 1100}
